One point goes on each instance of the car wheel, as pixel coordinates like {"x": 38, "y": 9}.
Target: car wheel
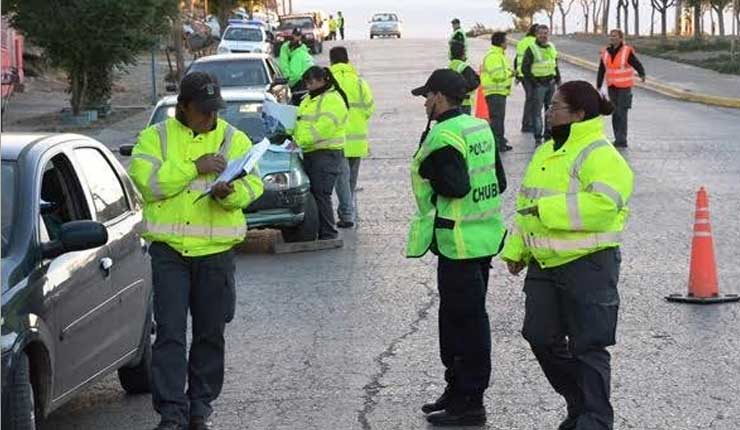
{"x": 19, "y": 409}
{"x": 136, "y": 379}
{"x": 372, "y": 36}
{"x": 309, "y": 228}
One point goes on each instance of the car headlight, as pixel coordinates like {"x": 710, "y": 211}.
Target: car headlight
{"x": 281, "y": 181}
{"x": 223, "y": 50}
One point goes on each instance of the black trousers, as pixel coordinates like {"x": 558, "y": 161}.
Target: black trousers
{"x": 497, "y": 111}
{"x": 341, "y": 32}
{"x": 323, "y": 169}
{"x": 205, "y": 286}
{"x": 622, "y": 100}
{"x": 464, "y": 330}
{"x": 570, "y": 319}
{"x": 528, "y": 86}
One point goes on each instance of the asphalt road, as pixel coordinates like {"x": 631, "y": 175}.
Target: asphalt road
{"x": 347, "y": 339}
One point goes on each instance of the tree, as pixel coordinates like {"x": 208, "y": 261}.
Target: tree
{"x": 623, "y": 7}
{"x": 586, "y": 8}
{"x": 636, "y": 7}
{"x": 697, "y": 6}
{"x": 662, "y": 6}
{"x": 719, "y": 7}
{"x": 524, "y": 9}
{"x": 596, "y": 14}
{"x": 565, "y": 6}
{"x": 605, "y": 20}
{"x": 89, "y": 38}
{"x": 550, "y": 12}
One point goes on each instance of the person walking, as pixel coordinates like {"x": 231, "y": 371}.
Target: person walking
{"x": 333, "y": 26}
{"x": 191, "y": 241}
{"x": 458, "y": 36}
{"x": 361, "y": 108}
{"x": 460, "y": 64}
{"x": 320, "y": 131}
{"x": 457, "y": 179}
{"x": 340, "y": 23}
{"x": 497, "y": 77}
{"x": 618, "y": 64}
{"x": 294, "y": 60}
{"x": 521, "y": 48}
{"x": 571, "y": 209}
{"x": 540, "y": 68}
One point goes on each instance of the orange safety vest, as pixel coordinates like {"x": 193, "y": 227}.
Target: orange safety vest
{"x": 619, "y": 73}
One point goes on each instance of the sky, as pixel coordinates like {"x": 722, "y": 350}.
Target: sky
{"x": 431, "y": 18}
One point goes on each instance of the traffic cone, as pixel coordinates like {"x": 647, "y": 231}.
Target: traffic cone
{"x": 703, "y": 285}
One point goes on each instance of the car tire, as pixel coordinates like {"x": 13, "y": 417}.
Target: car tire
{"x": 372, "y": 36}
{"x": 19, "y": 407}
{"x": 308, "y": 230}
{"x": 137, "y": 379}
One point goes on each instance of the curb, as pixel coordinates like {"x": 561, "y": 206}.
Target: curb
{"x": 666, "y": 90}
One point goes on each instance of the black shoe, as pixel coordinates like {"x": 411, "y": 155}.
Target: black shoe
{"x": 440, "y": 404}
{"x": 460, "y": 412}
{"x": 504, "y": 148}
{"x": 168, "y": 425}
{"x": 569, "y": 423}
{"x": 620, "y": 144}
{"x": 199, "y": 423}
{"x": 328, "y": 237}
{"x": 345, "y": 224}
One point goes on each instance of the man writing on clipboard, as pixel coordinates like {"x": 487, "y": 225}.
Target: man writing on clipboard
{"x": 173, "y": 163}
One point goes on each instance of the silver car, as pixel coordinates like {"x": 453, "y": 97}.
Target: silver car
{"x": 385, "y": 25}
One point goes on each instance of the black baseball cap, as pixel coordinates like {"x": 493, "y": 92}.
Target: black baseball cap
{"x": 202, "y": 89}
{"x": 445, "y": 81}
{"x": 456, "y": 21}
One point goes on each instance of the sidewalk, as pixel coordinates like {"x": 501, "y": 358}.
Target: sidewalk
{"x": 673, "y": 79}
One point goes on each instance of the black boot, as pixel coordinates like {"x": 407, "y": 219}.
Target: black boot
{"x": 440, "y": 404}
{"x": 465, "y": 411}
{"x": 569, "y": 423}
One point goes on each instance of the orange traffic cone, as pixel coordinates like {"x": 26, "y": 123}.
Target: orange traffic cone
{"x": 703, "y": 286}
{"x": 480, "y": 106}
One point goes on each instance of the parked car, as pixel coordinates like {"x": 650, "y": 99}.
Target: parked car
{"x": 385, "y": 25}
{"x": 287, "y": 203}
{"x": 76, "y": 278}
{"x": 249, "y": 71}
{"x": 312, "y": 32}
{"x": 245, "y": 38}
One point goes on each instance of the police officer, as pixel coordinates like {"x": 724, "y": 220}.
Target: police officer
{"x": 340, "y": 23}
{"x": 571, "y": 209}
{"x": 460, "y": 64}
{"x": 618, "y": 64}
{"x": 497, "y": 77}
{"x": 521, "y": 48}
{"x": 174, "y": 162}
{"x": 294, "y": 60}
{"x": 457, "y": 179}
{"x": 541, "y": 71}
{"x": 458, "y": 36}
{"x": 361, "y": 108}
{"x": 333, "y": 26}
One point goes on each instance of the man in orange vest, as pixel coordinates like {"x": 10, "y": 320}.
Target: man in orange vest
{"x": 618, "y": 64}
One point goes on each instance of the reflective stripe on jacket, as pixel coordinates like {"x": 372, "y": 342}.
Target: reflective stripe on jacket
{"x": 361, "y": 108}
{"x": 322, "y": 122}
{"x": 619, "y": 72}
{"x": 545, "y": 60}
{"x": 496, "y": 74}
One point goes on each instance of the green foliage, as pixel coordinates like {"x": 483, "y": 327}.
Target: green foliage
{"x": 85, "y": 37}
{"x": 524, "y": 9}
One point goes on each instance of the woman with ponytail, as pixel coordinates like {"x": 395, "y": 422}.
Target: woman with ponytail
{"x": 571, "y": 209}
{"x": 320, "y": 132}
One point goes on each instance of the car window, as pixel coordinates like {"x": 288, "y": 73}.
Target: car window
{"x": 245, "y": 116}
{"x": 296, "y": 23}
{"x": 61, "y": 199}
{"x": 7, "y": 211}
{"x": 242, "y": 34}
{"x": 385, "y": 17}
{"x": 236, "y": 73}
{"x": 271, "y": 70}
{"x": 105, "y": 187}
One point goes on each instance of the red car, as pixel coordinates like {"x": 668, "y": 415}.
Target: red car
{"x": 312, "y": 34}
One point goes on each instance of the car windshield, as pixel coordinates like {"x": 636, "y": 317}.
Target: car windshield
{"x": 385, "y": 17}
{"x": 8, "y": 199}
{"x": 241, "y": 34}
{"x": 245, "y": 116}
{"x": 236, "y": 73}
{"x": 296, "y": 23}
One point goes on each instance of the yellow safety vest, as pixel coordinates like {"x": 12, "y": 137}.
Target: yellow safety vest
{"x": 545, "y": 60}
{"x": 496, "y": 74}
{"x": 322, "y": 122}
{"x": 361, "y": 108}
{"x": 163, "y": 169}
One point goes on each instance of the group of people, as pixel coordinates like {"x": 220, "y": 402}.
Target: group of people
{"x": 336, "y": 24}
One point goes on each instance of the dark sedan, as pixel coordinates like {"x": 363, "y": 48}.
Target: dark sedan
{"x": 76, "y": 279}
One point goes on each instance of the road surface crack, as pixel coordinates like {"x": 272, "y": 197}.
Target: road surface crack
{"x": 372, "y": 389}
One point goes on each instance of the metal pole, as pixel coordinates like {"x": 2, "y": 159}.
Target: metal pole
{"x": 154, "y": 73}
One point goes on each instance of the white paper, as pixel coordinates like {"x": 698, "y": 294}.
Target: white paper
{"x": 245, "y": 164}
{"x": 285, "y": 114}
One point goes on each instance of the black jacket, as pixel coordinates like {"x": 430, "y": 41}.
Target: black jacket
{"x": 632, "y": 60}
{"x": 472, "y": 78}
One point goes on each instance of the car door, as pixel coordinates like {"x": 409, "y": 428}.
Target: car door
{"x": 75, "y": 284}
{"x": 128, "y": 265}
{"x": 281, "y": 92}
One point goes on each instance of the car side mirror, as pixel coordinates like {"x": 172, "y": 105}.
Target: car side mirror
{"x": 171, "y": 88}
{"x": 76, "y": 236}
{"x": 126, "y": 149}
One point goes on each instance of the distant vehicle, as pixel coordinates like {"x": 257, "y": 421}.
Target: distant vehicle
{"x": 287, "y": 203}
{"x": 385, "y": 25}
{"x": 245, "y": 38}
{"x": 312, "y": 32}
{"x": 76, "y": 278}
{"x": 248, "y": 71}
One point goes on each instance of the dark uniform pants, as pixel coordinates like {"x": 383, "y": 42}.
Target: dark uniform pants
{"x": 497, "y": 111}
{"x": 528, "y": 86}
{"x": 205, "y": 286}
{"x": 464, "y": 330}
{"x": 323, "y": 168}
{"x": 622, "y": 100}
{"x": 570, "y": 319}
